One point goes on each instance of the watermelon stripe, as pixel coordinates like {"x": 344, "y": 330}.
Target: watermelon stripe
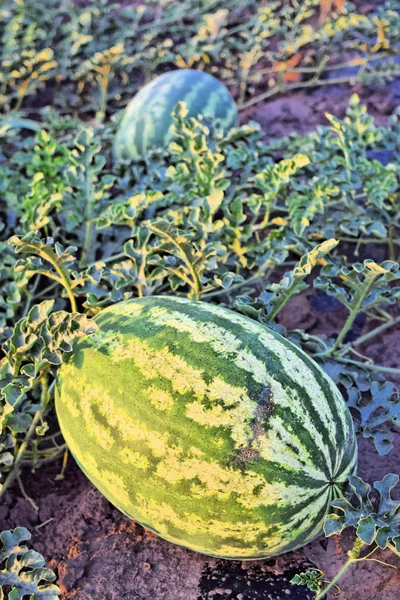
{"x": 239, "y": 533}
{"x": 319, "y": 385}
{"x": 164, "y": 407}
{"x": 318, "y": 374}
{"x": 155, "y": 109}
{"x": 159, "y": 364}
{"x": 147, "y": 118}
{"x": 214, "y": 335}
{"x": 164, "y": 358}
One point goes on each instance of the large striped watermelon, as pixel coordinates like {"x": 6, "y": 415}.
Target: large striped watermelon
{"x": 148, "y": 116}
{"x": 206, "y": 427}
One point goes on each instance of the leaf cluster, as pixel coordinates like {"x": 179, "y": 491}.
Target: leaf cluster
{"x": 212, "y": 217}
{"x": 229, "y": 218}
{"x": 375, "y": 522}
{"x": 90, "y": 56}
{"x": 23, "y": 571}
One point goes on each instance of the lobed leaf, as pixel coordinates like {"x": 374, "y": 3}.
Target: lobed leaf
{"x": 374, "y": 521}
{"x": 23, "y": 569}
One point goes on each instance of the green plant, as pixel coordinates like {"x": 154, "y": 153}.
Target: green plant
{"x": 377, "y": 526}
{"x": 34, "y": 348}
{"x": 228, "y": 219}
{"x": 161, "y": 238}
{"x": 313, "y": 579}
{"x": 23, "y": 570}
{"x": 89, "y": 56}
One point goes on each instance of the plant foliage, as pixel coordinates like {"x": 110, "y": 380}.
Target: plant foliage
{"x": 211, "y": 217}
{"x": 378, "y": 524}
{"x": 235, "y": 219}
{"x": 23, "y": 571}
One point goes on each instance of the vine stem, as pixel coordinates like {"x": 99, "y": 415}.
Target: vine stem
{"x": 262, "y": 274}
{"x": 393, "y": 548}
{"x": 366, "y": 240}
{"x": 67, "y": 285}
{"x": 103, "y": 81}
{"x": 353, "y": 555}
{"x": 359, "y": 297}
{"x": 39, "y": 462}
{"x": 284, "y": 300}
{"x": 20, "y": 454}
{"x": 336, "y": 579}
{"x": 370, "y": 366}
{"x": 236, "y": 286}
{"x": 109, "y": 259}
{"x": 25, "y": 495}
{"x": 64, "y": 279}
{"x": 14, "y": 473}
{"x": 376, "y": 331}
{"x": 392, "y": 251}
{"x": 30, "y": 296}
{"x": 293, "y": 86}
{"x": 196, "y": 281}
{"x": 88, "y": 212}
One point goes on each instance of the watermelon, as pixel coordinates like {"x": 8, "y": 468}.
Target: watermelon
{"x": 148, "y": 116}
{"x": 206, "y": 427}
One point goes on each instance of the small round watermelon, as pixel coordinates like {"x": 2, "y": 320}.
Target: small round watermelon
{"x": 148, "y": 116}
{"x": 206, "y": 427}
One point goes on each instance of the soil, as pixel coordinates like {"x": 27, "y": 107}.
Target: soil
{"x": 99, "y": 554}
{"x": 303, "y": 112}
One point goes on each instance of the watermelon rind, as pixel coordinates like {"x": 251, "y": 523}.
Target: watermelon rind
{"x": 148, "y": 117}
{"x": 206, "y": 427}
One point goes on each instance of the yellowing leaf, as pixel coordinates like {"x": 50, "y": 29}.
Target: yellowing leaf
{"x": 214, "y": 200}
{"x": 279, "y": 221}
{"x": 375, "y": 268}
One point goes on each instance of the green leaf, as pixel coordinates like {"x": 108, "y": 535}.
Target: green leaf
{"x": 367, "y": 283}
{"x": 383, "y": 408}
{"x": 276, "y": 295}
{"x": 24, "y": 571}
{"x": 377, "y": 521}
{"x": 313, "y": 579}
